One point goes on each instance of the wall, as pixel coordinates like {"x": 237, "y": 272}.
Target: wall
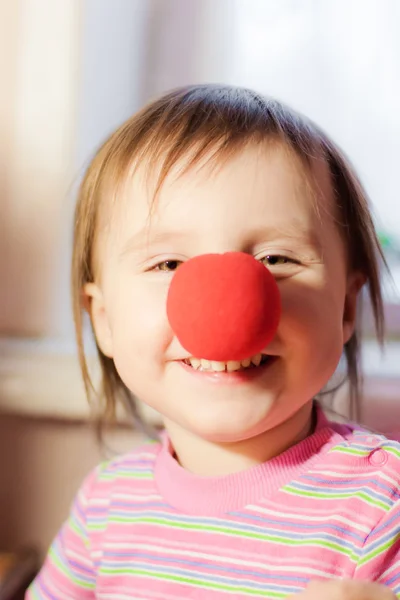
{"x": 70, "y": 73}
{"x": 40, "y": 41}
{"x": 42, "y": 464}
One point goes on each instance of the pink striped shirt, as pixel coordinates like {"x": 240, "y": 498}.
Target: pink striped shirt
{"x": 142, "y": 527}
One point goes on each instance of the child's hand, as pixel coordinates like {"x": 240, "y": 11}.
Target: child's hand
{"x": 345, "y": 589}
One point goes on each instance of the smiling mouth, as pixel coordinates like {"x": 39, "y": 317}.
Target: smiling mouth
{"x": 230, "y": 366}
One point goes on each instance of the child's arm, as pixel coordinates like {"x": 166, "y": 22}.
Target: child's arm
{"x": 68, "y": 571}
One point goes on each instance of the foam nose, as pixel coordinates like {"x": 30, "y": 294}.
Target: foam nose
{"x": 223, "y": 306}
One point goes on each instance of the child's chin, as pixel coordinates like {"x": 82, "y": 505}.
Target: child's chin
{"x": 229, "y": 432}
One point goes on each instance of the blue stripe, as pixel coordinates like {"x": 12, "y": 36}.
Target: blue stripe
{"x": 89, "y": 578}
{"x": 395, "y": 518}
{"x": 68, "y": 563}
{"x": 174, "y": 520}
{"x": 394, "y": 579}
{"x": 196, "y": 563}
{"x": 363, "y": 483}
{"x": 202, "y": 577}
{"x": 391, "y": 535}
{"x": 308, "y": 526}
{"x": 46, "y": 589}
{"x": 332, "y": 490}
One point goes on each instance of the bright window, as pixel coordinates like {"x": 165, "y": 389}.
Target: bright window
{"x": 339, "y": 63}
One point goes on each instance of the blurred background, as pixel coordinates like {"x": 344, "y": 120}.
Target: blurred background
{"x": 71, "y": 72}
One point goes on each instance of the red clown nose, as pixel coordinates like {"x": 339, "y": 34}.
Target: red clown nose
{"x": 223, "y": 306}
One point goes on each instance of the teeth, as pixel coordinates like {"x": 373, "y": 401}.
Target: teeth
{"x": 218, "y": 366}
{"x": 233, "y": 365}
{"x": 195, "y": 362}
{"x": 205, "y": 364}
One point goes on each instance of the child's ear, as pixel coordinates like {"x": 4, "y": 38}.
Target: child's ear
{"x": 355, "y": 282}
{"x": 93, "y": 303}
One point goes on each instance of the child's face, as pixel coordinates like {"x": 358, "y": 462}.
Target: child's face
{"x": 258, "y": 202}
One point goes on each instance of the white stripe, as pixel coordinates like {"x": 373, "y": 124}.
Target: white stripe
{"x": 307, "y": 517}
{"x": 393, "y": 569}
{"x": 79, "y": 557}
{"x": 229, "y": 552}
{"x": 135, "y": 497}
{"x": 305, "y": 511}
{"x": 56, "y": 591}
{"x": 126, "y": 594}
{"x": 101, "y": 501}
{"x": 365, "y": 474}
{"x": 223, "y": 580}
{"x": 213, "y": 558}
{"x": 114, "y": 596}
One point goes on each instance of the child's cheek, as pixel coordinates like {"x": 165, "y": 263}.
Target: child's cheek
{"x": 309, "y": 313}
{"x": 139, "y": 317}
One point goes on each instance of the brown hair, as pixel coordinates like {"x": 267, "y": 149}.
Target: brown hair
{"x": 214, "y": 120}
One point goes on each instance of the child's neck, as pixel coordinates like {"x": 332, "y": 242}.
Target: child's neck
{"x": 211, "y": 459}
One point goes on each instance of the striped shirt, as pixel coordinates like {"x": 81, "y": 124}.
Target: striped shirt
{"x": 142, "y": 527}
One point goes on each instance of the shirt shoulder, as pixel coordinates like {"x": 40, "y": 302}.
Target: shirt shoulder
{"x": 370, "y": 457}
{"x": 123, "y": 471}
{"x": 356, "y": 441}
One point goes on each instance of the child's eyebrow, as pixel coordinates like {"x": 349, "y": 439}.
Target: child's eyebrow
{"x": 145, "y": 238}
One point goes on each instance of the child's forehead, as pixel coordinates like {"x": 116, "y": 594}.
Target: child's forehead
{"x": 273, "y": 169}
{"x": 259, "y": 184}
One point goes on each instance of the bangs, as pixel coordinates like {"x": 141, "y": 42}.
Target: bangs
{"x": 202, "y": 125}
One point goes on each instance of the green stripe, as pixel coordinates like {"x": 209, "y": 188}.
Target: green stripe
{"x": 194, "y": 581}
{"x": 392, "y": 450}
{"x": 367, "y": 451}
{"x": 34, "y": 591}
{"x": 379, "y": 550}
{"x": 234, "y": 532}
{"x": 81, "y": 533}
{"x": 349, "y": 450}
{"x": 338, "y": 495}
{"x": 77, "y": 528}
{"x": 130, "y": 475}
{"x": 53, "y": 554}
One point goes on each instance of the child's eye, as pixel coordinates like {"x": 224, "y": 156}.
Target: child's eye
{"x": 273, "y": 260}
{"x": 168, "y": 265}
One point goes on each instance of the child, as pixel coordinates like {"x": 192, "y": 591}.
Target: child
{"x": 251, "y": 492}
